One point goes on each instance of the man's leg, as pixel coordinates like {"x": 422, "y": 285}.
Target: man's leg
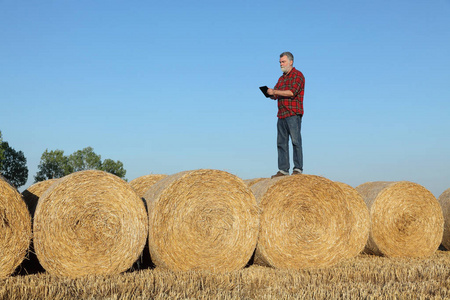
{"x": 295, "y": 126}
{"x": 283, "y": 146}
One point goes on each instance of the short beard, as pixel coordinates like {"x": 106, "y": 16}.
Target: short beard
{"x": 284, "y": 69}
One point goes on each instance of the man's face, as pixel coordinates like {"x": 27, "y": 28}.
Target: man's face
{"x": 285, "y": 64}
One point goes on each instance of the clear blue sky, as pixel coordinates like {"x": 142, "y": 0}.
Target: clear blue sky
{"x": 169, "y": 86}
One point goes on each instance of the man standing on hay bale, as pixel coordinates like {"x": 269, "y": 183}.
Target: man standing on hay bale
{"x": 289, "y": 92}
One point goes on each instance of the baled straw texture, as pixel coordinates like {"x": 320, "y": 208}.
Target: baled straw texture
{"x": 202, "y": 220}
{"x": 15, "y": 229}
{"x": 143, "y": 183}
{"x": 89, "y": 222}
{"x": 360, "y": 220}
{"x": 250, "y": 182}
{"x": 305, "y": 222}
{"x": 444, "y": 200}
{"x": 406, "y": 219}
{"x": 32, "y": 194}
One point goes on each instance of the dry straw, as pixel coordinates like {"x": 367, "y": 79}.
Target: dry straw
{"x": 406, "y": 219}
{"x": 15, "y": 229}
{"x": 89, "y": 222}
{"x": 250, "y": 182}
{"x": 305, "y": 222}
{"x": 202, "y": 220}
{"x": 360, "y": 219}
{"x": 143, "y": 183}
{"x": 32, "y": 194}
{"x": 444, "y": 200}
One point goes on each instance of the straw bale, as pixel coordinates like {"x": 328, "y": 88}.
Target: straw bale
{"x": 444, "y": 200}
{"x": 406, "y": 219}
{"x": 360, "y": 219}
{"x": 305, "y": 222}
{"x": 89, "y": 222}
{"x": 143, "y": 183}
{"x": 31, "y": 197}
{"x": 202, "y": 220}
{"x": 15, "y": 229}
{"x": 32, "y": 194}
{"x": 250, "y": 182}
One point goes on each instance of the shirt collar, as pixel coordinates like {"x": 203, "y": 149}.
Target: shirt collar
{"x": 289, "y": 72}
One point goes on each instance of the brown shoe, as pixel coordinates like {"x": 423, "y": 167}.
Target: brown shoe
{"x": 279, "y": 174}
{"x": 297, "y": 172}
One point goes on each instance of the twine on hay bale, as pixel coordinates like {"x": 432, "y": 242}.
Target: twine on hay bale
{"x": 15, "y": 229}
{"x": 360, "y": 219}
{"x": 202, "y": 220}
{"x": 89, "y": 222}
{"x": 406, "y": 219}
{"x": 305, "y": 222}
{"x": 444, "y": 200}
{"x": 143, "y": 183}
{"x": 32, "y": 194}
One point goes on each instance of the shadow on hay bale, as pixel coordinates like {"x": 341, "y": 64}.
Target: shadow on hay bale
{"x": 202, "y": 220}
{"x": 144, "y": 261}
{"x": 141, "y": 186}
{"x": 32, "y": 194}
{"x": 444, "y": 201}
{"x": 89, "y": 223}
{"x": 406, "y": 219}
{"x": 305, "y": 222}
{"x": 15, "y": 229}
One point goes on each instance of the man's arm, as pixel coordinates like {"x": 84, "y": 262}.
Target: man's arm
{"x": 286, "y": 93}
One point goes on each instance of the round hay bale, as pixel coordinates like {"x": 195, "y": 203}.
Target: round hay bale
{"x": 444, "y": 200}
{"x": 31, "y": 197}
{"x": 360, "y": 220}
{"x": 305, "y": 222}
{"x": 143, "y": 183}
{"x": 406, "y": 219}
{"x": 32, "y": 194}
{"x": 250, "y": 182}
{"x": 15, "y": 229}
{"x": 89, "y": 222}
{"x": 141, "y": 186}
{"x": 202, "y": 220}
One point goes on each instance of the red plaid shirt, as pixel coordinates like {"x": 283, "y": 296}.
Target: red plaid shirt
{"x": 291, "y": 106}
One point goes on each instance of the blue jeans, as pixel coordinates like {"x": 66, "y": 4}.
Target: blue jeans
{"x": 290, "y": 126}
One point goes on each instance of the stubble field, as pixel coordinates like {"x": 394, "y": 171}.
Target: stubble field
{"x": 363, "y": 277}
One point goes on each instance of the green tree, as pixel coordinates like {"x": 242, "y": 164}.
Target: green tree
{"x": 114, "y": 167}
{"x": 54, "y": 164}
{"x": 85, "y": 159}
{"x": 1, "y": 150}
{"x": 13, "y": 165}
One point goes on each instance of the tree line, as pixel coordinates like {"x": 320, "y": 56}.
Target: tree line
{"x": 53, "y": 164}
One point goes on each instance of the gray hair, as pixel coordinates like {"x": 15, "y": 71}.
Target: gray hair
{"x": 288, "y": 54}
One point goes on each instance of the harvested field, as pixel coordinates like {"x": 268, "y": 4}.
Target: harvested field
{"x": 362, "y": 277}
